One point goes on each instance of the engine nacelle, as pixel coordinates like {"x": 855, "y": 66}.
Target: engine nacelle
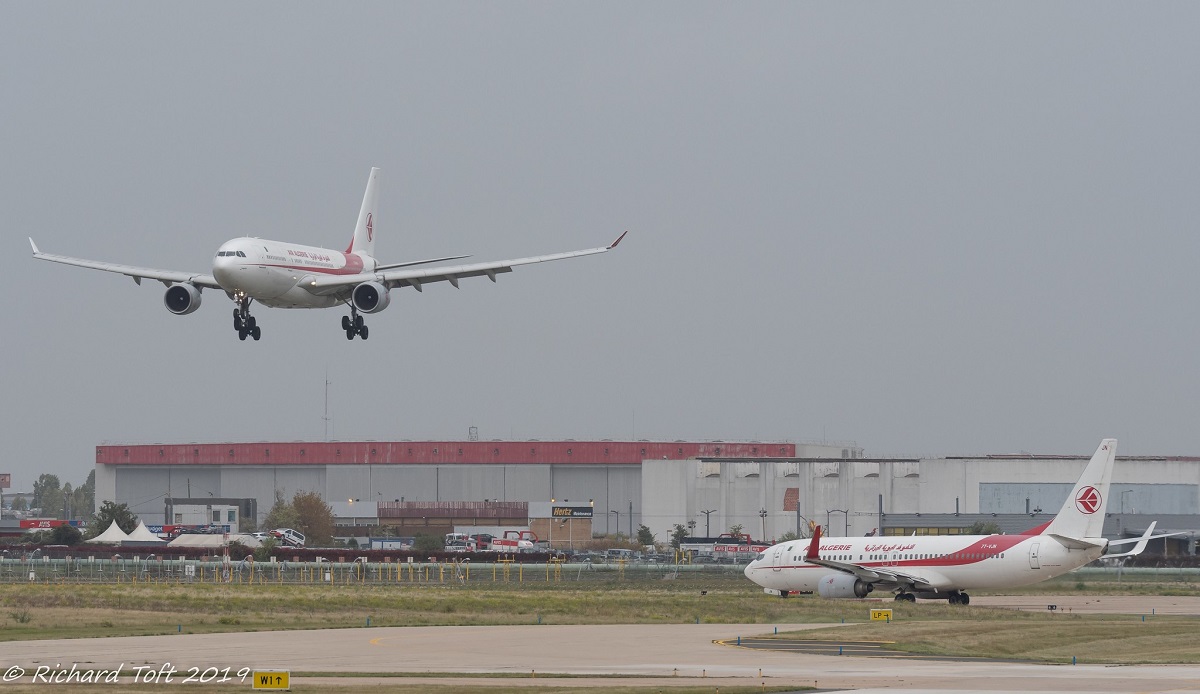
{"x": 182, "y": 299}
{"x": 843, "y": 586}
{"x": 370, "y": 297}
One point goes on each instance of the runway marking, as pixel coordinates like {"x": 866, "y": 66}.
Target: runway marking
{"x": 862, "y": 649}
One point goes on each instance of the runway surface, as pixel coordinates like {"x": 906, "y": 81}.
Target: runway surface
{"x": 655, "y": 655}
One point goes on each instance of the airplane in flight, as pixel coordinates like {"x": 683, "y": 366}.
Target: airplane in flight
{"x": 286, "y": 275}
{"x": 944, "y": 567}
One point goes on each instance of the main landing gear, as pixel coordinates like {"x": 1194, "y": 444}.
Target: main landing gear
{"x": 243, "y": 322}
{"x": 905, "y": 597}
{"x": 353, "y": 325}
{"x": 959, "y": 598}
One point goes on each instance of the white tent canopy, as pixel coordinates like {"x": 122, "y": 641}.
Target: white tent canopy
{"x": 113, "y": 536}
{"x": 142, "y": 535}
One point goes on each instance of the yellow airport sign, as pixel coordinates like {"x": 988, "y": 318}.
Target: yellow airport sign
{"x": 881, "y": 615}
{"x": 272, "y": 679}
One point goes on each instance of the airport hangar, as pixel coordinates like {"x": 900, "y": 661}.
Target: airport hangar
{"x": 769, "y": 488}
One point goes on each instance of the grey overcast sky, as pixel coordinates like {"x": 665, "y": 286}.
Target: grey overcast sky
{"x": 928, "y": 228}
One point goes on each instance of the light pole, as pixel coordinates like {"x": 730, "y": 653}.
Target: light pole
{"x": 707, "y": 518}
{"x": 691, "y": 526}
{"x": 762, "y": 513}
{"x": 1121, "y": 522}
{"x": 618, "y": 520}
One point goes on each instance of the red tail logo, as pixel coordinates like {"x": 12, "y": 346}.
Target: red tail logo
{"x": 370, "y": 229}
{"x": 1088, "y": 500}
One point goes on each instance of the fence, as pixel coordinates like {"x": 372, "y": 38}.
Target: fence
{"x": 159, "y": 569}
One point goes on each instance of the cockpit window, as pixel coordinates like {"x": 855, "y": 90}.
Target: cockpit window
{"x": 222, "y": 254}
{"x": 241, "y": 254}
{"x": 760, "y": 556}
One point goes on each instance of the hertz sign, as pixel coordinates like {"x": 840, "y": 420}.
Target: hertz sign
{"x": 571, "y": 512}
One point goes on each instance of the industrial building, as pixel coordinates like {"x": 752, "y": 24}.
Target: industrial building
{"x": 768, "y": 488}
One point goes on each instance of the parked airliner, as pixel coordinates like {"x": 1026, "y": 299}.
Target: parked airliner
{"x": 286, "y": 275}
{"x": 946, "y": 566}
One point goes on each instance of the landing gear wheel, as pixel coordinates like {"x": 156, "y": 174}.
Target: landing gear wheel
{"x": 345, "y": 322}
{"x": 242, "y": 334}
{"x": 256, "y": 332}
{"x": 237, "y": 321}
{"x": 363, "y": 331}
{"x": 905, "y": 597}
{"x": 358, "y": 322}
{"x": 954, "y": 599}
{"x": 251, "y": 324}
{"x": 964, "y": 599}
{"x": 349, "y": 333}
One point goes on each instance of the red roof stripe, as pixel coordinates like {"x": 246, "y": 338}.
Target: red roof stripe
{"x": 433, "y": 452}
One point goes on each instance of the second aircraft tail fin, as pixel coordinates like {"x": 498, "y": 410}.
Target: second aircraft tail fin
{"x": 363, "y": 242}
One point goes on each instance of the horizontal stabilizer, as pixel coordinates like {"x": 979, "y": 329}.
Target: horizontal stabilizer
{"x": 1141, "y": 542}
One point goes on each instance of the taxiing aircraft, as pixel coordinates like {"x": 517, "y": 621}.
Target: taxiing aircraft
{"x": 286, "y": 275}
{"x": 946, "y": 566}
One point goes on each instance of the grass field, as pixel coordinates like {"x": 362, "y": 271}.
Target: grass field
{"x": 41, "y": 611}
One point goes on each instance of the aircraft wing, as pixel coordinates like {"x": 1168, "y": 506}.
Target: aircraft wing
{"x": 416, "y": 278}
{"x": 870, "y": 574}
{"x": 167, "y": 277}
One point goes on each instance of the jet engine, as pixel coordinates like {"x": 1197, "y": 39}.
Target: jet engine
{"x": 843, "y": 586}
{"x": 370, "y": 297}
{"x": 182, "y": 299}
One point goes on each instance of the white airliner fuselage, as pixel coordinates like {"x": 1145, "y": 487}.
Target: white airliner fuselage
{"x": 273, "y": 272}
{"x": 286, "y": 275}
{"x": 946, "y": 566}
{"x": 942, "y": 563}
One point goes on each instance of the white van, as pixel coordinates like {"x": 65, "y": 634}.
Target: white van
{"x": 295, "y": 538}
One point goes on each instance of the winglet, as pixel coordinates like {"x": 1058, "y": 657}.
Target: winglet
{"x": 36, "y": 251}
{"x": 614, "y": 243}
{"x": 814, "y": 547}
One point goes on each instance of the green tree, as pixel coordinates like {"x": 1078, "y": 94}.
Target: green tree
{"x": 644, "y": 536}
{"x": 65, "y": 535}
{"x": 108, "y": 512}
{"x": 788, "y": 536}
{"x": 19, "y": 504}
{"x": 429, "y": 543}
{"x": 48, "y": 496}
{"x": 44, "y": 484}
{"x": 982, "y": 528}
{"x": 264, "y": 553}
{"x": 282, "y": 514}
{"x": 316, "y": 518}
{"x": 735, "y": 529}
{"x": 677, "y": 534}
{"x": 83, "y": 502}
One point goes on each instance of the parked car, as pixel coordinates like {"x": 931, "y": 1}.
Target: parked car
{"x": 295, "y": 538}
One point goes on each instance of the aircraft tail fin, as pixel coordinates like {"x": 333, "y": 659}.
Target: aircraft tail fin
{"x": 363, "y": 242}
{"x": 1082, "y": 514}
{"x": 814, "y": 547}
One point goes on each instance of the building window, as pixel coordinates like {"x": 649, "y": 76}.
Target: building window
{"x": 216, "y": 516}
{"x": 231, "y": 516}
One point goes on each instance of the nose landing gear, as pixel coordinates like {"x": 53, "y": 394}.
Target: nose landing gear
{"x": 353, "y": 325}
{"x": 243, "y": 322}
